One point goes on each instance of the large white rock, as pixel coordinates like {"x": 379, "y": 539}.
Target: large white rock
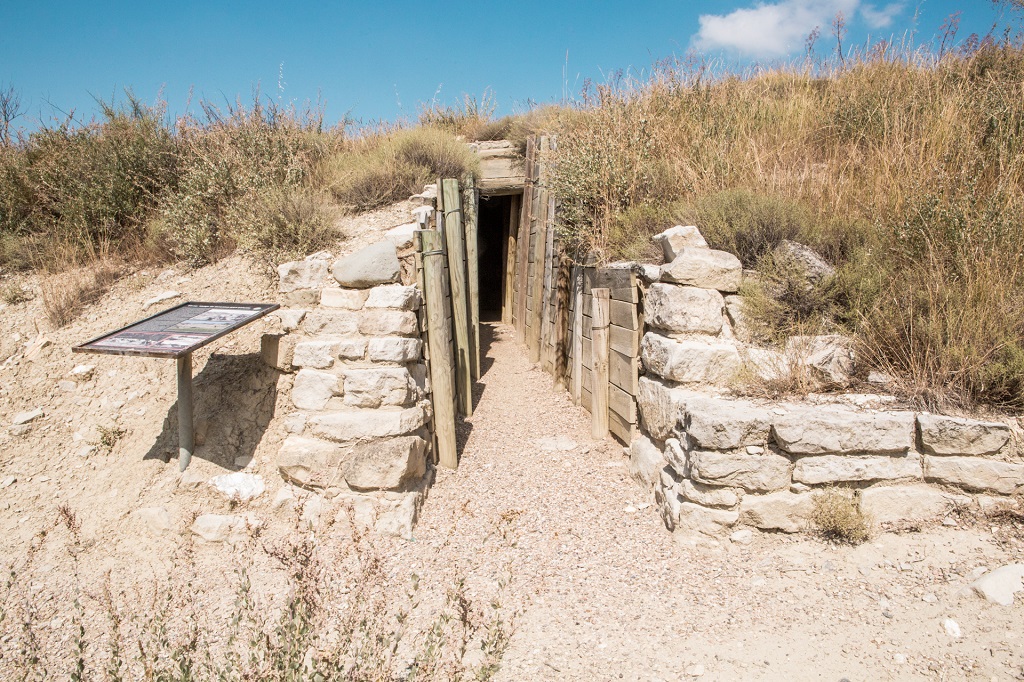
{"x": 313, "y": 389}
{"x": 402, "y": 235}
{"x": 378, "y": 386}
{"x": 753, "y": 473}
{"x": 386, "y": 464}
{"x": 675, "y": 239}
{"x": 803, "y": 260}
{"x": 394, "y": 296}
{"x": 827, "y": 358}
{"x": 704, "y": 268}
{"x": 368, "y": 267}
{"x": 765, "y": 363}
{"x": 976, "y": 473}
{"x": 303, "y": 274}
{"x": 683, "y": 309}
{"x": 1000, "y": 585}
{"x": 667, "y": 499}
{"x": 661, "y": 407}
{"x": 677, "y": 456}
{"x": 315, "y": 354}
{"x": 719, "y": 424}
{"x": 836, "y": 430}
{"x": 837, "y": 468}
{"x": 327, "y": 321}
{"x": 395, "y": 349}
{"x": 953, "y": 436}
{"x": 355, "y": 425}
{"x": 708, "y": 495}
{"x": 688, "y": 360}
{"x": 645, "y": 461}
{"x": 887, "y": 504}
{"x": 785, "y": 511}
{"x": 383, "y": 322}
{"x": 310, "y": 461}
{"x": 239, "y": 485}
{"x": 735, "y": 309}
{"x": 348, "y": 299}
{"x": 704, "y": 519}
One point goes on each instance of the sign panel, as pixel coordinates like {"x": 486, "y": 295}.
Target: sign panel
{"x": 177, "y": 331}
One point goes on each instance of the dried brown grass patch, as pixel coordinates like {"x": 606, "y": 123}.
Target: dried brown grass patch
{"x": 65, "y": 295}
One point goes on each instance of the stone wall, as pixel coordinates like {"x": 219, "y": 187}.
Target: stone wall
{"x": 360, "y": 421}
{"x": 714, "y": 461}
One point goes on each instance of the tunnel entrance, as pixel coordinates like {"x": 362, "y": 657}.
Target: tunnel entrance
{"x": 498, "y": 217}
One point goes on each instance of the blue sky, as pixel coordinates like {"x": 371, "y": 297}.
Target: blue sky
{"x": 381, "y": 60}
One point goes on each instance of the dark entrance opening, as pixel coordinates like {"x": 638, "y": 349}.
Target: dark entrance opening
{"x": 498, "y": 219}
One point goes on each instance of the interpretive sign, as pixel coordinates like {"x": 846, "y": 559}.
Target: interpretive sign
{"x": 177, "y": 331}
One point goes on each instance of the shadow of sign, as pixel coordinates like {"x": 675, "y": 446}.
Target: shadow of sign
{"x": 233, "y": 402}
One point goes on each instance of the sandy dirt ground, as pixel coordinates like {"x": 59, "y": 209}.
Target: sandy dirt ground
{"x": 537, "y": 513}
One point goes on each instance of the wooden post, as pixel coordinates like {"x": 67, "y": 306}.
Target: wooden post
{"x": 562, "y": 323}
{"x": 439, "y": 343}
{"x": 186, "y": 436}
{"x": 469, "y": 210}
{"x": 538, "y": 217}
{"x": 509, "y": 253}
{"x": 455, "y": 238}
{"x": 523, "y": 243}
{"x": 546, "y": 298}
{"x": 599, "y": 394}
{"x": 577, "y": 335}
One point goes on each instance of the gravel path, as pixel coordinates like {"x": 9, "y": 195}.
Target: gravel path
{"x": 607, "y": 593}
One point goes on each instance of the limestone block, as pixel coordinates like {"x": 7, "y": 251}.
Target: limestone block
{"x": 828, "y": 358}
{"x": 661, "y": 407}
{"x": 753, "y": 473}
{"x": 394, "y": 296}
{"x": 886, "y": 504}
{"x": 291, "y": 317}
{"x": 704, "y": 268}
{"x": 689, "y": 361}
{"x": 976, "y": 473}
{"x": 667, "y": 499}
{"x": 400, "y": 519}
{"x": 304, "y": 274}
{"x": 355, "y": 425}
{"x": 352, "y": 349}
{"x": 348, "y": 299}
{"x": 387, "y": 464}
{"x": 783, "y": 511}
{"x": 766, "y": 363}
{"x": 707, "y": 495}
{"x": 645, "y": 461}
{"x": 395, "y": 349}
{"x": 310, "y": 462}
{"x": 368, "y": 267}
{"x": 327, "y": 321}
{"x": 239, "y": 485}
{"x": 999, "y": 586}
{"x": 837, "y": 468}
{"x": 803, "y": 260}
{"x": 735, "y": 309}
{"x": 312, "y": 389}
{"x": 684, "y": 310}
{"x": 837, "y": 430}
{"x": 704, "y": 519}
{"x": 278, "y": 350}
{"x": 677, "y": 456}
{"x": 221, "y": 528}
{"x": 952, "y": 436}
{"x": 675, "y": 239}
{"x": 379, "y": 386}
{"x": 380, "y": 322}
{"x": 315, "y": 354}
{"x": 402, "y": 235}
{"x": 719, "y": 424}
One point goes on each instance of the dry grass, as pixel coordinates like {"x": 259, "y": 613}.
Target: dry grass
{"x": 65, "y": 295}
{"x": 837, "y": 517}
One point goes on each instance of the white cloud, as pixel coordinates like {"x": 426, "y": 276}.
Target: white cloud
{"x": 880, "y": 18}
{"x": 770, "y": 29}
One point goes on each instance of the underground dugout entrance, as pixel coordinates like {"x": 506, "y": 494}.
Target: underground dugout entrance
{"x": 498, "y": 216}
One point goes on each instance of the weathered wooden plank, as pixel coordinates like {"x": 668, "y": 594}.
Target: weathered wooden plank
{"x": 523, "y": 244}
{"x": 625, "y": 341}
{"x": 622, "y": 314}
{"x": 455, "y": 237}
{"x": 622, "y": 372}
{"x": 509, "y": 259}
{"x": 588, "y": 352}
{"x": 588, "y": 326}
{"x": 599, "y": 413}
{"x": 547, "y": 358}
{"x": 440, "y": 345}
{"x": 470, "y": 199}
{"x": 621, "y": 403}
{"x": 614, "y": 278}
{"x": 628, "y": 295}
{"x": 586, "y": 400}
{"x": 620, "y": 429}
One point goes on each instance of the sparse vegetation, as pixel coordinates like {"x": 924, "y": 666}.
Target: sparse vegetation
{"x": 837, "y": 516}
{"x": 110, "y": 436}
{"x": 64, "y": 295}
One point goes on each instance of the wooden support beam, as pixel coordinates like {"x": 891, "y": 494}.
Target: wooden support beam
{"x": 470, "y": 197}
{"x": 562, "y": 323}
{"x": 523, "y": 243}
{"x": 577, "y": 334}
{"x": 439, "y": 343}
{"x": 547, "y": 289}
{"x": 509, "y": 259}
{"x": 455, "y": 238}
{"x": 599, "y": 397}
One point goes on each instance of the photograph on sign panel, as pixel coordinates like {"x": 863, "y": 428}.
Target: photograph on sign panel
{"x": 212, "y": 321}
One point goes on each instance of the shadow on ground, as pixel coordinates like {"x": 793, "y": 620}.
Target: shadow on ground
{"x": 233, "y": 402}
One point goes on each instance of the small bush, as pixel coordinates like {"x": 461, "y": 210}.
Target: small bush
{"x": 13, "y": 293}
{"x": 750, "y": 224}
{"x": 837, "y": 517}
